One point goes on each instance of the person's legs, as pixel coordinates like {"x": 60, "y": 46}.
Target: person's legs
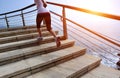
{"x": 39, "y": 19}
{"x": 118, "y": 54}
{"x": 48, "y": 24}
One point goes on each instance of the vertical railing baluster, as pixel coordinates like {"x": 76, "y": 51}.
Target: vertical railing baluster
{"x": 23, "y": 21}
{"x": 64, "y": 24}
{"x": 6, "y": 21}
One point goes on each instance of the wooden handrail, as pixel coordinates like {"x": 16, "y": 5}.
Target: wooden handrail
{"x": 111, "y": 16}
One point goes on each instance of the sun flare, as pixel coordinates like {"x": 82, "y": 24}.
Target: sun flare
{"x": 95, "y": 5}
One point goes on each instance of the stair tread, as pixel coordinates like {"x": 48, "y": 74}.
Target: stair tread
{"x": 19, "y": 44}
{"x": 23, "y": 37}
{"x": 102, "y": 72}
{"x": 16, "y": 28}
{"x": 69, "y": 68}
{"x": 53, "y": 55}
{"x": 36, "y": 62}
{"x": 15, "y": 31}
{"x": 22, "y": 31}
{"x": 30, "y": 50}
{"x": 8, "y": 70}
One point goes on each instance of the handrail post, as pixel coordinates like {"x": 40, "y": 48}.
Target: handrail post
{"x": 22, "y": 17}
{"x": 64, "y": 24}
{"x": 6, "y": 21}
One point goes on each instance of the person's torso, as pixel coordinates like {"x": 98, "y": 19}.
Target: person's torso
{"x": 40, "y": 7}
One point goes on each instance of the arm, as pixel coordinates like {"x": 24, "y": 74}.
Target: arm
{"x": 44, "y": 3}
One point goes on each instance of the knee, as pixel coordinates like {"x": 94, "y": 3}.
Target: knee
{"x": 49, "y": 30}
{"x": 38, "y": 26}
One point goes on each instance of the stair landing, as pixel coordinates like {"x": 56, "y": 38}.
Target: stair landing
{"x": 102, "y": 72}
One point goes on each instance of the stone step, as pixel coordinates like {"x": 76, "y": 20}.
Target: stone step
{"x": 17, "y": 28}
{"x": 28, "y": 66}
{"x": 22, "y": 44}
{"x": 20, "y": 54}
{"x": 70, "y": 69}
{"x": 19, "y": 32}
{"x": 23, "y": 37}
{"x": 102, "y": 72}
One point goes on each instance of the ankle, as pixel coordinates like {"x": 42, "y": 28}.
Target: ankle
{"x": 40, "y": 38}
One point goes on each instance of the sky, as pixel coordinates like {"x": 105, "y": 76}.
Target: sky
{"x": 12, "y": 5}
{"x": 109, "y": 6}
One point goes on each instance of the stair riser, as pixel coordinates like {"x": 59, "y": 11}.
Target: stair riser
{"x": 11, "y": 60}
{"x": 79, "y": 73}
{"x": 14, "y": 47}
{"x": 32, "y": 54}
{"x": 94, "y": 65}
{"x": 24, "y": 37}
{"x": 19, "y": 32}
{"x": 23, "y": 75}
{"x": 18, "y": 74}
{"x": 49, "y": 64}
{"x": 12, "y": 33}
{"x": 17, "y": 28}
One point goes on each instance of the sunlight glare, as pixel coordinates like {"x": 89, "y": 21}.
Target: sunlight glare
{"x": 95, "y": 5}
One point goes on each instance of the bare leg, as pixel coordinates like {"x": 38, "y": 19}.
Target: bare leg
{"x": 57, "y": 39}
{"x": 53, "y": 33}
{"x": 38, "y": 22}
{"x": 48, "y": 24}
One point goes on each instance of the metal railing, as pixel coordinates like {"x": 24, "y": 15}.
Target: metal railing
{"x": 6, "y": 17}
{"x": 102, "y": 39}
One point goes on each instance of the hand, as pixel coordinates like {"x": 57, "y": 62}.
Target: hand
{"x": 45, "y": 5}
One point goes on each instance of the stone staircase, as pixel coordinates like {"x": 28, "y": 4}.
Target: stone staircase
{"x": 22, "y": 56}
